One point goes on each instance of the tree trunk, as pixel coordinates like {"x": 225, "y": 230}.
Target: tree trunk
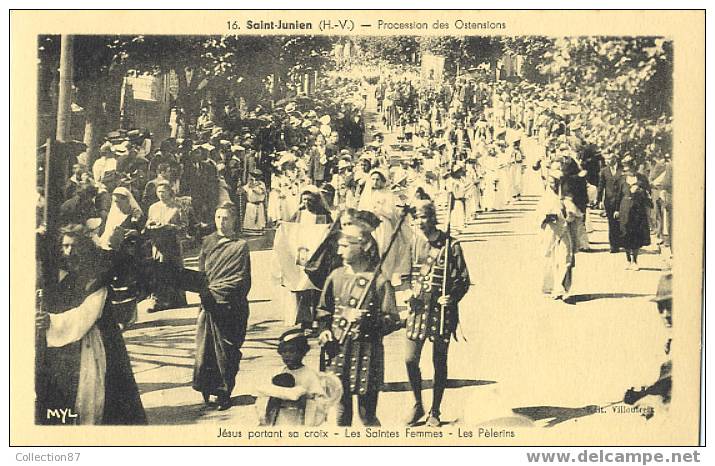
{"x": 94, "y": 125}
{"x": 276, "y": 88}
{"x": 64, "y": 107}
{"x": 182, "y": 86}
{"x": 493, "y": 68}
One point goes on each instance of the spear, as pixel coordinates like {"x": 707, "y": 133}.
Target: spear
{"x": 405, "y": 210}
{"x": 447, "y": 246}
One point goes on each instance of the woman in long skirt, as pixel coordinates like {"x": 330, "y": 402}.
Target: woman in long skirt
{"x": 633, "y": 214}
{"x": 255, "y": 218}
{"x": 555, "y": 216}
{"x": 164, "y": 224}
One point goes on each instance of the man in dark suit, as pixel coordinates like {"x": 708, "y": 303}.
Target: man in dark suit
{"x": 200, "y": 181}
{"x": 608, "y": 195}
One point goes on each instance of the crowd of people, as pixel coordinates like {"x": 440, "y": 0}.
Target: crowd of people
{"x": 315, "y": 161}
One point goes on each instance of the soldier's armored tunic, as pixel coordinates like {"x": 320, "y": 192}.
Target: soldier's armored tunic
{"x": 427, "y": 278}
{"x": 357, "y": 353}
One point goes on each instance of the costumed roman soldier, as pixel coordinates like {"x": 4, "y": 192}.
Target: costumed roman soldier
{"x": 440, "y": 280}
{"x": 357, "y": 309}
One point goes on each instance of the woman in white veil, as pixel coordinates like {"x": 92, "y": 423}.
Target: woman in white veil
{"x": 379, "y": 199}
{"x": 124, "y": 216}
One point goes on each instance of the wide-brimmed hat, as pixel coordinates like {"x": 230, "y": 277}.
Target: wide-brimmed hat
{"x": 342, "y": 163}
{"x": 121, "y": 149}
{"x": 115, "y": 137}
{"x": 310, "y": 189}
{"x": 380, "y": 172}
{"x": 122, "y": 191}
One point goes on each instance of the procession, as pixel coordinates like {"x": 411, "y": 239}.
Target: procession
{"x": 381, "y": 243}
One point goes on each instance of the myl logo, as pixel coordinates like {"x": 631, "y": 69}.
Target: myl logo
{"x": 63, "y": 414}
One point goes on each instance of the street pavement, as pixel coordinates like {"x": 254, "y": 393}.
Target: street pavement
{"x": 523, "y": 359}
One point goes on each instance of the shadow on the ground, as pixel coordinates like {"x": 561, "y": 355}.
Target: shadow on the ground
{"x": 161, "y": 323}
{"x": 594, "y": 250}
{"x": 652, "y": 269}
{"x": 478, "y": 222}
{"x": 494, "y": 216}
{"x": 427, "y": 384}
{"x": 188, "y": 414}
{"x": 648, "y": 252}
{"x": 490, "y": 232}
{"x": 442, "y": 422}
{"x": 142, "y": 347}
{"x": 146, "y": 387}
{"x": 579, "y": 298}
{"x": 555, "y": 414}
{"x": 184, "y": 414}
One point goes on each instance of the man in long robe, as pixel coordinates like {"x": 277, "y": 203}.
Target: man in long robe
{"x": 84, "y": 367}
{"x": 555, "y": 214}
{"x": 222, "y": 321}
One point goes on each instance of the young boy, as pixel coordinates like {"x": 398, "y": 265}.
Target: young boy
{"x": 297, "y": 395}
{"x": 355, "y": 313}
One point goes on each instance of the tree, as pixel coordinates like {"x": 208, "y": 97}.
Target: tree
{"x": 395, "y": 49}
{"x": 221, "y": 64}
{"x": 624, "y": 84}
{"x": 463, "y": 51}
{"x": 534, "y": 50}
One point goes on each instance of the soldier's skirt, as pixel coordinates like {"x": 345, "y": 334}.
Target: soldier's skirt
{"x": 360, "y": 366}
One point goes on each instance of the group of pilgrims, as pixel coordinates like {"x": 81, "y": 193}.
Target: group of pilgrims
{"x": 378, "y": 255}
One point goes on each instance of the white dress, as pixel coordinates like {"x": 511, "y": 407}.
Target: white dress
{"x": 383, "y": 203}
{"x": 255, "y": 217}
{"x": 492, "y": 199}
{"x": 558, "y": 248}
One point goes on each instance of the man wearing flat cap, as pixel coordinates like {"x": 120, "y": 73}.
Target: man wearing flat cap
{"x": 357, "y": 309}
{"x": 439, "y": 281}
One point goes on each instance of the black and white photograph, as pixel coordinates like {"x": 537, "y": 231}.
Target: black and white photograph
{"x": 422, "y": 230}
